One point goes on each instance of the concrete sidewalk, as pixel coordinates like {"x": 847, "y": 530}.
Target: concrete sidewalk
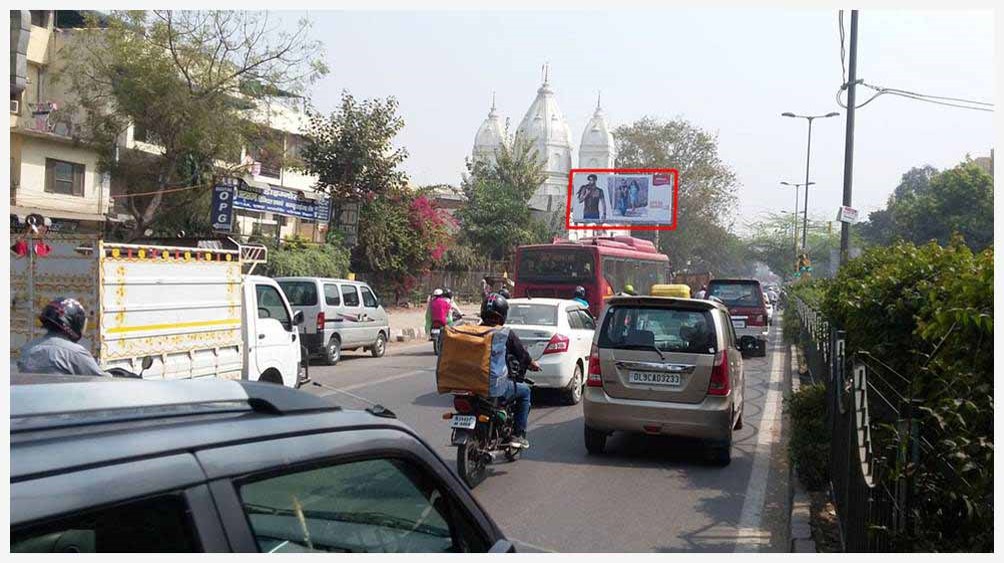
{"x": 409, "y": 324}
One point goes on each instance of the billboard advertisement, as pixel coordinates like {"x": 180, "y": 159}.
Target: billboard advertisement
{"x": 622, "y": 199}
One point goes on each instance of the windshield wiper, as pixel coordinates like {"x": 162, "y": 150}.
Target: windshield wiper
{"x": 643, "y": 347}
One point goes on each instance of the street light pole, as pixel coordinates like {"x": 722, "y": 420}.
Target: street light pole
{"x": 808, "y": 154}
{"x": 794, "y": 214}
{"x": 852, "y": 76}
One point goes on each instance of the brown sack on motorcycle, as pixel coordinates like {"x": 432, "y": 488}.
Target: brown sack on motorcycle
{"x": 464, "y": 359}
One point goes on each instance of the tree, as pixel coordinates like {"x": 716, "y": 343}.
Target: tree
{"x": 496, "y": 218}
{"x": 191, "y": 83}
{"x": 401, "y": 236}
{"x": 707, "y": 186}
{"x": 931, "y": 205}
{"x": 771, "y": 243}
{"x": 297, "y": 257}
{"x": 351, "y": 150}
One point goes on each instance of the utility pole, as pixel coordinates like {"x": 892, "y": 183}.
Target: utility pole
{"x": 794, "y": 217}
{"x": 852, "y": 77}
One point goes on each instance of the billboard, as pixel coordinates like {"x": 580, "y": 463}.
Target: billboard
{"x": 622, "y": 199}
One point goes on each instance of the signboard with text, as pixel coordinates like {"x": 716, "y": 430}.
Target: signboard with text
{"x": 847, "y": 215}
{"x": 239, "y": 195}
{"x": 622, "y": 199}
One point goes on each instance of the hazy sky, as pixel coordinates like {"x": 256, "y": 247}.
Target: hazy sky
{"x": 729, "y": 71}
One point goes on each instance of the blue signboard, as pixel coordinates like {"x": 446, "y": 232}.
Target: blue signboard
{"x": 283, "y": 202}
{"x": 223, "y": 207}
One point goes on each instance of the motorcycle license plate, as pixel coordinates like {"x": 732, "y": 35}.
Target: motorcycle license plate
{"x": 463, "y": 421}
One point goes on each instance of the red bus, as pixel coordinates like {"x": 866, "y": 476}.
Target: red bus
{"x": 603, "y": 265}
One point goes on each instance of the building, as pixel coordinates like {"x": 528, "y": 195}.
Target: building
{"x": 986, "y": 162}
{"x": 545, "y": 128}
{"x": 51, "y": 174}
{"x": 58, "y": 177}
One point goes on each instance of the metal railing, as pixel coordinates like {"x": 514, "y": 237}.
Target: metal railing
{"x": 874, "y": 434}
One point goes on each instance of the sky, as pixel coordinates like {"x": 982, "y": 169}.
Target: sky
{"x": 731, "y": 72}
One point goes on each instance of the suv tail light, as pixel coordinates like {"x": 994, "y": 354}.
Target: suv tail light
{"x": 719, "y": 384}
{"x": 759, "y": 319}
{"x": 462, "y": 404}
{"x": 557, "y": 344}
{"x": 594, "y": 378}
{"x": 320, "y": 321}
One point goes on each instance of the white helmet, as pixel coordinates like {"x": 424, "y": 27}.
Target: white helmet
{"x": 437, "y": 293}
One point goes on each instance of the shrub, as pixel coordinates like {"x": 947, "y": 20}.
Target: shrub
{"x": 299, "y": 258}
{"x": 809, "y": 447}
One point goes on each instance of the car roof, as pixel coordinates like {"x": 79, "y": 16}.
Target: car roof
{"x": 543, "y": 301}
{"x": 67, "y": 424}
{"x": 315, "y": 279}
{"x": 667, "y": 302}
{"x": 734, "y": 280}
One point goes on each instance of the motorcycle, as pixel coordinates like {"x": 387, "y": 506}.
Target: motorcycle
{"x": 122, "y": 372}
{"x": 482, "y": 429}
{"x": 436, "y": 334}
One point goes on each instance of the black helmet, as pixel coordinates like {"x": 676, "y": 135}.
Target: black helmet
{"x": 448, "y": 293}
{"x": 580, "y": 292}
{"x": 505, "y": 293}
{"x": 65, "y": 315}
{"x": 495, "y": 307}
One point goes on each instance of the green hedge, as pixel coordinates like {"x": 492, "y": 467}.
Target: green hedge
{"x": 809, "y": 446}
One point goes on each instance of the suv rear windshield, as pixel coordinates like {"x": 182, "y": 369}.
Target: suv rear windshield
{"x": 669, "y": 330}
{"x": 737, "y": 293}
{"x": 531, "y": 314}
{"x": 300, "y": 293}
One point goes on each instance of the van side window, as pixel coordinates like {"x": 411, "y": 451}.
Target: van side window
{"x": 350, "y": 296}
{"x": 331, "y": 296}
{"x": 369, "y": 300}
{"x": 151, "y": 525}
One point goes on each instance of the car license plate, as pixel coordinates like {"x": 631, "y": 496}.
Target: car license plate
{"x": 739, "y": 322}
{"x": 463, "y": 421}
{"x": 652, "y": 378}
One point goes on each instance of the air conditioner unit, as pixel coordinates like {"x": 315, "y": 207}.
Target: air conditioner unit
{"x": 15, "y": 106}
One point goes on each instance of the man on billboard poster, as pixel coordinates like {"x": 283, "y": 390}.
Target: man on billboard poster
{"x": 593, "y": 200}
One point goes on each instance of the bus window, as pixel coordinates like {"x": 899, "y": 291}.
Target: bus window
{"x": 566, "y": 265}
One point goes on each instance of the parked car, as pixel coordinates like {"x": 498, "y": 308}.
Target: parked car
{"x": 748, "y": 308}
{"x": 106, "y": 465}
{"x": 665, "y": 366}
{"x": 557, "y": 333}
{"x": 340, "y": 315}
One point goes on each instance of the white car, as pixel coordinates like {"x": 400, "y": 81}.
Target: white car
{"x": 558, "y": 334}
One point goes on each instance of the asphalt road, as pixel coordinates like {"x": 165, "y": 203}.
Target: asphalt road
{"x": 644, "y": 494}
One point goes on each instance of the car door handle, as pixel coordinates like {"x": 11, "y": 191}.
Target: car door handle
{"x": 292, "y": 337}
{"x": 261, "y": 337}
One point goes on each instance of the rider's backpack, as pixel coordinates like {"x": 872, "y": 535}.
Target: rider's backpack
{"x": 473, "y": 358}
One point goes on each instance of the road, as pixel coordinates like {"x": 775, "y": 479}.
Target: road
{"x": 644, "y": 494}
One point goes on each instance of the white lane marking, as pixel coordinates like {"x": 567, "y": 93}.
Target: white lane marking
{"x": 750, "y": 536}
{"x": 404, "y": 375}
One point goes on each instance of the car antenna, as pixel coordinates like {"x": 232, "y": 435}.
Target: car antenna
{"x": 375, "y": 408}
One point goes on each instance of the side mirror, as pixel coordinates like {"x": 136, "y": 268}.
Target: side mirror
{"x": 298, "y": 318}
{"x": 147, "y": 363}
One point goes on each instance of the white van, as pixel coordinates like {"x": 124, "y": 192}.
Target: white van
{"x": 190, "y": 309}
{"x": 339, "y": 315}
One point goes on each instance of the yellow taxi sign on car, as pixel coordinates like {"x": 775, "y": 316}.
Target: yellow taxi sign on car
{"x": 671, "y": 290}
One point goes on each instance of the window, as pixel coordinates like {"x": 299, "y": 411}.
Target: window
{"x": 669, "y": 330}
{"x": 588, "y": 322}
{"x": 558, "y": 265}
{"x": 369, "y": 300}
{"x": 270, "y": 306}
{"x": 574, "y": 320}
{"x": 64, "y": 177}
{"x": 153, "y": 525}
{"x": 331, "y": 296}
{"x": 642, "y": 274}
{"x": 737, "y": 294}
{"x": 300, "y": 293}
{"x": 267, "y": 150}
{"x": 530, "y": 314}
{"x": 371, "y": 506}
{"x": 350, "y": 296}
{"x": 40, "y": 18}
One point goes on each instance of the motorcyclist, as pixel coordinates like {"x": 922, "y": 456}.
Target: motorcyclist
{"x": 628, "y": 291}
{"x": 494, "y": 311}
{"x": 455, "y": 312}
{"x": 439, "y": 310}
{"x": 57, "y": 352}
{"x": 702, "y": 293}
{"x": 580, "y": 296}
{"x": 428, "y": 310}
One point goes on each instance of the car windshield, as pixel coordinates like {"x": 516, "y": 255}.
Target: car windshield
{"x": 300, "y": 293}
{"x": 668, "y": 330}
{"x": 737, "y": 294}
{"x": 532, "y": 314}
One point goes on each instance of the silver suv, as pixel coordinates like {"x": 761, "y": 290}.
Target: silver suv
{"x": 662, "y": 365}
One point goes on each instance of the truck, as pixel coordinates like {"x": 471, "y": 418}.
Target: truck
{"x": 183, "y": 310}
{"x": 694, "y": 280}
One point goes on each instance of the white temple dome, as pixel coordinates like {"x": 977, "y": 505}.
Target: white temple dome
{"x": 490, "y": 136}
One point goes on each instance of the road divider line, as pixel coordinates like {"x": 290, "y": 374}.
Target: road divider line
{"x": 750, "y": 535}
{"x": 363, "y": 384}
